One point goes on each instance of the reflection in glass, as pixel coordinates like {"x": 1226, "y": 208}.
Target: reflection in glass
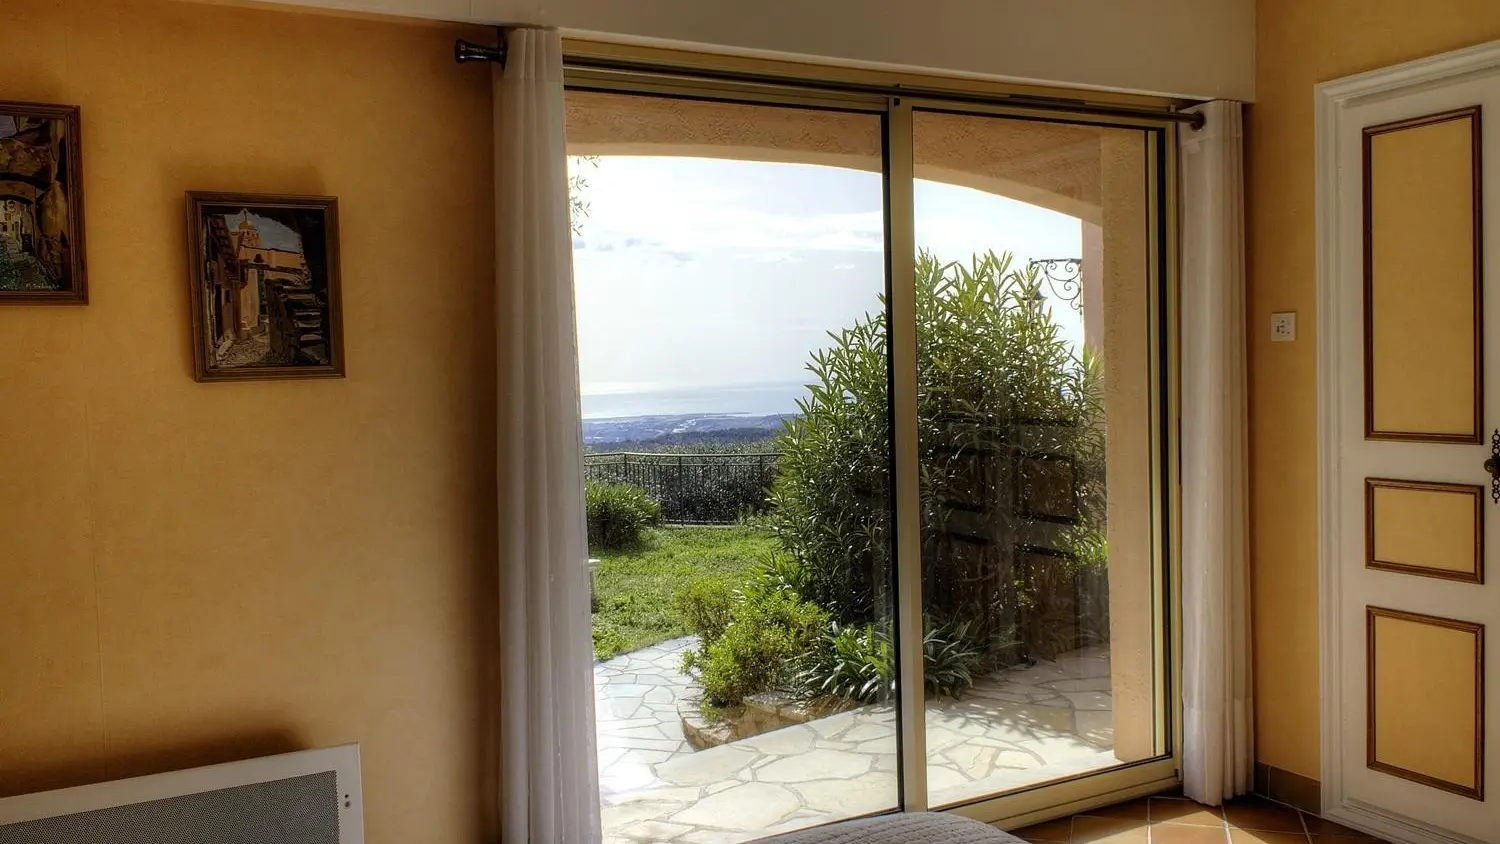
{"x": 1035, "y": 468}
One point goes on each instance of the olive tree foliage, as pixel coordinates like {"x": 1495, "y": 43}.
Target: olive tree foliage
{"x": 1011, "y": 456}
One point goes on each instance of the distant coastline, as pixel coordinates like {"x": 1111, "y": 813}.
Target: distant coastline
{"x": 632, "y": 401}
{"x": 650, "y": 432}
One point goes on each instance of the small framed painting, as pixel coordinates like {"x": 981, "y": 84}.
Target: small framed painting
{"x": 41, "y": 205}
{"x": 264, "y": 278}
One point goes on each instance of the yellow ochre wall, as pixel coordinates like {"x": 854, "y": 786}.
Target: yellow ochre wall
{"x": 193, "y": 573}
{"x": 1301, "y": 43}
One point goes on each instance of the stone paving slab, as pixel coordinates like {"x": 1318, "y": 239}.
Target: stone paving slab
{"x": 1017, "y": 728}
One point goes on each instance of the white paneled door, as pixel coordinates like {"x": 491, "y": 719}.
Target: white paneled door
{"x": 1409, "y": 333}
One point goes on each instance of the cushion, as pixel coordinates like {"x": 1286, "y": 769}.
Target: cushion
{"x": 917, "y": 828}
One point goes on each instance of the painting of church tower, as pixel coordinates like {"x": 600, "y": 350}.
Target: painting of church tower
{"x": 264, "y": 288}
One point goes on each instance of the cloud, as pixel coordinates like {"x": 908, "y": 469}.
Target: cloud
{"x": 677, "y": 205}
{"x": 843, "y": 267}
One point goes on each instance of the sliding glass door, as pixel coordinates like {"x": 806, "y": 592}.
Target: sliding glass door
{"x": 1036, "y": 385}
{"x": 874, "y": 396}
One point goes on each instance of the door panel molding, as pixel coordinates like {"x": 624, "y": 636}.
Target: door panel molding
{"x": 1405, "y": 345}
{"x": 1353, "y": 794}
{"x": 1464, "y": 517}
{"x": 1414, "y": 660}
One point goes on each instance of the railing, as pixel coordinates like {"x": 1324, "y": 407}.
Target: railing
{"x": 692, "y": 488}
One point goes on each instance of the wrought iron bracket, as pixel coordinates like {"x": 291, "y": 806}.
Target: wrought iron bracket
{"x": 1492, "y": 466}
{"x": 1062, "y": 275}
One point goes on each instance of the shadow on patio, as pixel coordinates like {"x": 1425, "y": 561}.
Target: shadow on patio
{"x": 1013, "y": 728}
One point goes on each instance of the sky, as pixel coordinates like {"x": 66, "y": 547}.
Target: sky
{"x": 703, "y": 284}
{"x": 273, "y": 234}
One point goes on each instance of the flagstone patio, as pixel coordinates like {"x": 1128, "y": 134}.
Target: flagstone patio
{"x": 1015, "y": 728}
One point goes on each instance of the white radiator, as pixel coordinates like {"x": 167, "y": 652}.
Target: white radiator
{"x": 311, "y": 797}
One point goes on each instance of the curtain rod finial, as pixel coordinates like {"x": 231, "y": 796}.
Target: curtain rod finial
{"x": 468, "y": 51}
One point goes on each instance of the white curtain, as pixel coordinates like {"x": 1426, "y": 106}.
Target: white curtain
{"x": 548, "y": 766}
{"x": 1218, "y": 745}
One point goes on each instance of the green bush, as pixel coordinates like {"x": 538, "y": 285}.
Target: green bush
{"x": 950, "y": 659}
{"x": 859, "y": 663}
{"x": 1001, "y": 402}
{"x": 768, "y": 627}
{"x": 618, "y": 515}
{"x": 706, "y": 606}
{"x": 856, "y": 662}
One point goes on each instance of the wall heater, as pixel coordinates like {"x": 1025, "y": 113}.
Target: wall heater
{"x": 311, "y": 797}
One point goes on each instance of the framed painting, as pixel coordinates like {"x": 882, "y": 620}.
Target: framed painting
{"x": 41, "y": 205}
{"x": 264, "y": 283}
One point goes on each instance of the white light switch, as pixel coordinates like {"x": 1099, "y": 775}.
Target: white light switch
{"x": 1283, "y": 327}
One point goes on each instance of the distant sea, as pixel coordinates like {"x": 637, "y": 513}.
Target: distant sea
{"x": 665, "y": 400}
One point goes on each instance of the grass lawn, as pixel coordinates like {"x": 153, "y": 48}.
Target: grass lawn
{"x": 638, "y": 589}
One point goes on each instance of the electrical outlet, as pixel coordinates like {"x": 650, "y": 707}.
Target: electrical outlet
{"x": 1283, "y": 327}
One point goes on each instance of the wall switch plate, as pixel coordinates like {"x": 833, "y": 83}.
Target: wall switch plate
{"x": 1283, "y": 327}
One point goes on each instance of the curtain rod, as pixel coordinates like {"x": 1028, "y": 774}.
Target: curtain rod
{"x": 468, "y": 51}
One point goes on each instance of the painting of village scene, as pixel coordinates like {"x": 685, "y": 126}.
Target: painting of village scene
{"x": 41, "y": 231}
{"x": 265, "y": 287}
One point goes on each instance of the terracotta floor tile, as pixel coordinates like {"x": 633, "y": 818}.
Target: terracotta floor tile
{"x": 1262, "y": 815}
{"x": 1128, "y": 836}
{"x": 1169, "y": 833}
{"x": 1050, "y": 832}
{"x": 1176, "y": 811}
{"x": 1256, "y": 836}
{"x": 1177, "y": 820}
{"x": 1132, "y": 809}
{"x": 1112, "y": 830}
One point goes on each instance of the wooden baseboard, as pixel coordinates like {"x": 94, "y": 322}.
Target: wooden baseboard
{"x": 1286, "y": 787}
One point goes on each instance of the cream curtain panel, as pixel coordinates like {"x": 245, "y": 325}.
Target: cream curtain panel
{"x": 1218, "y": 745}
{"x": 548, "y": 764}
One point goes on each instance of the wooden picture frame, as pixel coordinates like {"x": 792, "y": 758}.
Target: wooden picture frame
{"x": 41, "y": 205}
{"x": 263, "y": 279}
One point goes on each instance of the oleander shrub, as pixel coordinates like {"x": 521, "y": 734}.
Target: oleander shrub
{"x": 1011, "y": 456}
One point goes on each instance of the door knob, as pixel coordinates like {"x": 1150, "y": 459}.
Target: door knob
{"x": 1492, "y": 465}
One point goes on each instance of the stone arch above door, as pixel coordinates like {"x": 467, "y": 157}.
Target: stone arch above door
{"x": 1054, "y": 166}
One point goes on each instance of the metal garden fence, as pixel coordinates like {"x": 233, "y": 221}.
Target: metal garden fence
{"x": 692, "y": 488}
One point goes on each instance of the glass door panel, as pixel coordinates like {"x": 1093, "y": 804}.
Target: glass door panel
{"x": 1035, "y": 387}
{"x": 730, "y": 273}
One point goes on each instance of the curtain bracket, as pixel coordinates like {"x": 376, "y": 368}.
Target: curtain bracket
{"x": 468, "y": 51}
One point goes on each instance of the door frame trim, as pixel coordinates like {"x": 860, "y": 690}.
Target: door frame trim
{"x": 1331, "y": 100}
